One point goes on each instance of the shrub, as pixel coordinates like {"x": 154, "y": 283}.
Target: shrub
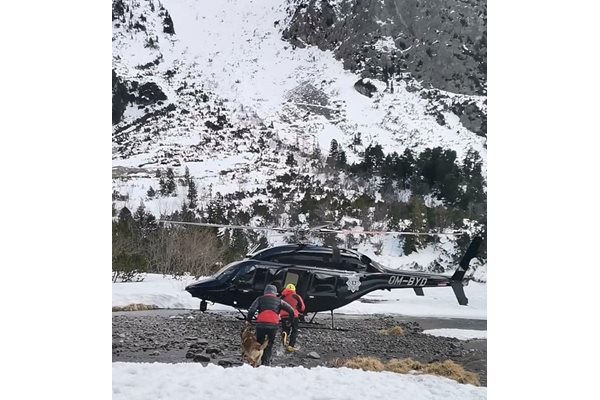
{"x": 365, "y": 363}
{"x": 394, "y": 331}
{"x": 447, "y": 368}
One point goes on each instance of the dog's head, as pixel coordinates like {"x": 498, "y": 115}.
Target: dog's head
{"x": 252, "y": 351}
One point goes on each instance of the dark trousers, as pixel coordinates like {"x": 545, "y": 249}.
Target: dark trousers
{"x": 291, "y": 330}
{"x": 269, "y": 332}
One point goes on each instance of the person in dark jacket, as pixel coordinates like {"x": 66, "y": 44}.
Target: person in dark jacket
{"x": 267, "y": 321}
{"x": 290, "y": 296}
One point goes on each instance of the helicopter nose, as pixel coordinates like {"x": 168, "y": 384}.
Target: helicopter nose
{"x": 197, "y": 288}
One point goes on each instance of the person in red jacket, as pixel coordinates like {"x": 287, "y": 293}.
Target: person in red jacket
{"x": 269, "y": 307}
{"x": 292, "y": 298}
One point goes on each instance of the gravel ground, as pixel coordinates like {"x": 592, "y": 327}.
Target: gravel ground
{"x": 192, "y": 336}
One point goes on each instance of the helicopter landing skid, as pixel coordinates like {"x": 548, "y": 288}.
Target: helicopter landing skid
{"x": 317, "y": 325}
{"x": 243, "y": 317}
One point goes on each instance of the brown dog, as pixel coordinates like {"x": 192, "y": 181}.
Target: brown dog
{"x": 252, "y": 351}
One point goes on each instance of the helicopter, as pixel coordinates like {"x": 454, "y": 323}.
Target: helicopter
{"x": 326, "y": 277}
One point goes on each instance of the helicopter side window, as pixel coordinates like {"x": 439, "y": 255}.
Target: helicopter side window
{"x": 259, "y": 279}
{"x": 291, "y": 277}
{"x": 244, "y": 281}
{"x": 275, "y": 277}
{"x": 322, "y": 285}
{"x": 306, "y": 259}
{"x": 352, "y": 264}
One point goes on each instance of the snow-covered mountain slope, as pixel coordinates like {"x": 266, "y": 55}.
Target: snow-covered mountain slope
{"x": 232, "y": 53}
{"x": 214, "y": 87}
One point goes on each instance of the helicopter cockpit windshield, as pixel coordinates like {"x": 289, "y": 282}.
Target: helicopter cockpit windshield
{"x": 226, "y": 271}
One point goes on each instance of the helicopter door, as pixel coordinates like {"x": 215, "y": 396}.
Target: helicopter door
{"x": 242, "y": 289}
{"x": 276, "y": 278}
{"x": 291, "y": 277}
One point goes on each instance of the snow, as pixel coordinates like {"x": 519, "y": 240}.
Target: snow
{"x": 461, "y": 334}
{"x": 168, "y": 292}
{"x": 385, "y": 43}
{"x": 156, "y": 289}
{"x": 437, "y": 302}
{"x": 140, "y": 381}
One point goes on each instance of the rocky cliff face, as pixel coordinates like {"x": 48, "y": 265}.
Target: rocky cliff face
{"x": 442, "y": 43}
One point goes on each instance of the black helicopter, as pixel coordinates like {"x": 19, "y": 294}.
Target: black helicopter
{"x": 326, "y": 277}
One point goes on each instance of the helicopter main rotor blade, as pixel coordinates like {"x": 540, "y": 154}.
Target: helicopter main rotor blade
{"x": 206, "y": 224}
{"x": 317, "y": 229}
{"x": 350, "y": 232}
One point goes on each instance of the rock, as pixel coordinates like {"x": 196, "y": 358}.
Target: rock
{"x": 155, "y": 353}
{"x": 314, "y": 354}
{"x": 225, "y": 363}
{"x": 202, "y": 342}
{"x": 212, "y": 350}
{"x": 415, "y": 31}
{"x": 190, "y": 354}
{"x": 201, "y": 358}
{"x": 150, "y": 93}
{"x": 365, "y": 87}
{"x": 191, "y": 338}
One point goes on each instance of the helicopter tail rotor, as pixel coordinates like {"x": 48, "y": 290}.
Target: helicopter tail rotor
{"x": 456, "y": 281}
{"x": 463, "y": 266}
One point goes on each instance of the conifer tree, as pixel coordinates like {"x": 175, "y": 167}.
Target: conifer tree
{"x": 162, "y": 183}
{"x": 316, "y": 154}
{"x": 192, "y": 194}
{"x": 290, "y": 161}
{"x": 332, "y": 158}
{"x": 416, "y": 214}
{"x": 151, "y": 193}
{"x": 333, "y": 148}
{"x": 171, "y": 186}
{"x": 186, "y": 176}
{"x": 139, "y": 214}
{"x": 341, "y": 162}
{"x": 405, "y": 167}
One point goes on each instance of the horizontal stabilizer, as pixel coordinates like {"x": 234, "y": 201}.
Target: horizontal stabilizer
{"x": 459, "y": 292}
{"x": 419, "y": 291}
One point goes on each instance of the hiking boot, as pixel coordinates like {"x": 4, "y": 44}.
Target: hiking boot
{"x": 291, "y": 349}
